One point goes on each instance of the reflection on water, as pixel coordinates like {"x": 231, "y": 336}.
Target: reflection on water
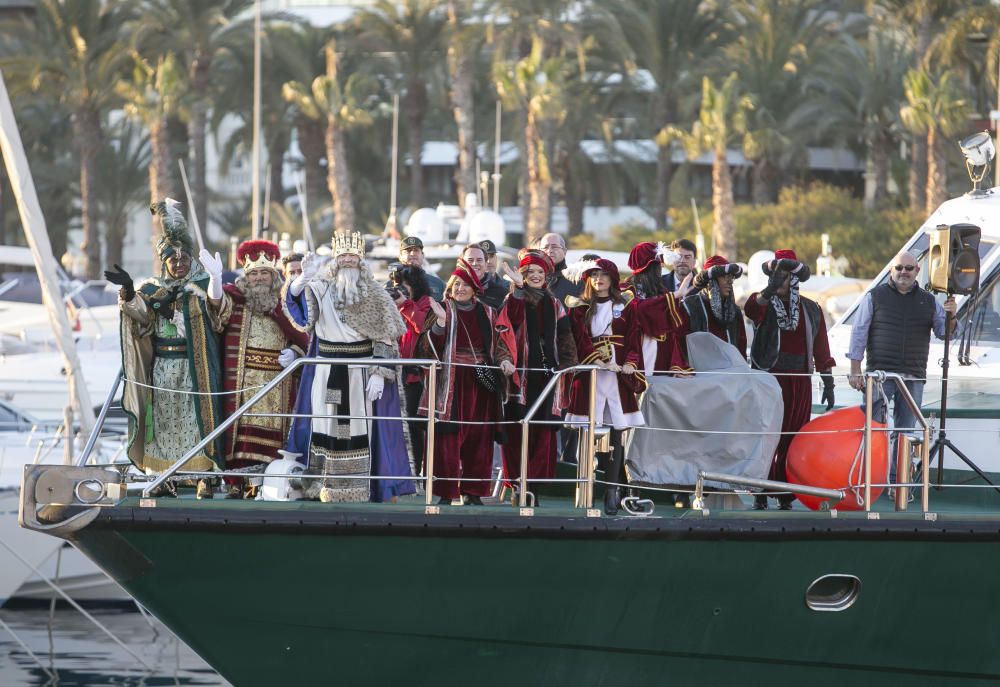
{"x": 75, "y": 653}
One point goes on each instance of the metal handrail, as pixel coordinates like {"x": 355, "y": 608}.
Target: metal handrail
{"x": 266, "y": 388}
{"x": 879, "y": 376}
{"x": 99, "y": 422}
{"x": 542, "y": 396}
{"x": 835, "y": 495}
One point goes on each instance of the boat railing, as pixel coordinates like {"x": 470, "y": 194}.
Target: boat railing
{"x": 591, "y": 432}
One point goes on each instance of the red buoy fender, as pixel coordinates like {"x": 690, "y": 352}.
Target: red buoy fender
{"x": 831, "y": 457}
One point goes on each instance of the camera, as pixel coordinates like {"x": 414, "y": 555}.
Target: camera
{"x": 393, "y": 288}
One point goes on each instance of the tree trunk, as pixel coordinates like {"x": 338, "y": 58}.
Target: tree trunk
{"x": 87, "y": 128}
{"x": 461, "y": 69}
{"x": 724, "y": 227}
{"x": 539, "y": 182}
{"x": 115, "y": 240}
{"x": 917, "y": 179}
{"x": 937, "y": 172}
{"x": 338, "y": 178}
{"x": 415, "y": 103}
{"x": 276, "y": 158}
{"x": 200, "y": 66}
{"x": 311, "y": 143}
{"x": 664, "y": 177}
{"x": 764, "y": 182}
{"x": 880, "y": 162}
{"x": 160, "y": 186}
{"x": 576, "y": 196}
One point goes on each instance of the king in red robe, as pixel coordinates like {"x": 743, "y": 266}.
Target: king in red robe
{"x": 259, "y": 340}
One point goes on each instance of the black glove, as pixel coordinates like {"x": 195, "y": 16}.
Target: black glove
{"x": 827, "y": 396}
{"x": 722, "y": 270}
{"x": 700, "y": 280}
{"x": 164, "y": 305}
{"x": 786, "y": 264}
{"x": 774, "y": 283}
{"x": 124, "y": 280}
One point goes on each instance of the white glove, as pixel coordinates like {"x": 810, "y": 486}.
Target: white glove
{"x": 286, "y": 357}
{"x": 309, "y": 269}
{"x": 212, "y": 265}
{"x": 374, "y": 388}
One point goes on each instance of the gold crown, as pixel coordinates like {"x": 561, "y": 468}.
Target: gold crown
{"x": 262, "y": 261}
{"x": 348, "y": 244}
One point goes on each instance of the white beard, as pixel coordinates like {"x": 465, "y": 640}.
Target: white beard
{"x": 345, "y": 287}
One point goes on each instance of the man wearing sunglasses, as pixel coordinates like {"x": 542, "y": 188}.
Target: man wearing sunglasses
{"x": 892, "y": 330}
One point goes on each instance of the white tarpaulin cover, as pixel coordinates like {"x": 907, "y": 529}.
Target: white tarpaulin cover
{"x": 749, "y": 401}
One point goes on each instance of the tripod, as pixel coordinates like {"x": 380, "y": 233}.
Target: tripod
{"x": 942, "y": 441}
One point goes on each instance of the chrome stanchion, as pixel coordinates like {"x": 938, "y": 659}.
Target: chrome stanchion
{"x": 431, "y": 422}
{"x": 869, "y": 386}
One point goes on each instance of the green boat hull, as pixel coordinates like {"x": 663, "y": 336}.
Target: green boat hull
{"x": 311, "y": 594}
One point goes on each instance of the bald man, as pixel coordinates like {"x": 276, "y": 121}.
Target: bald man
{"x": 892, "y": 330}
{"x": 555, "y": 247}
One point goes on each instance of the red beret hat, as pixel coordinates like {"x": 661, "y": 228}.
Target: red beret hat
{"x": 642, "y": 256}
{"x": 464, "y": 271}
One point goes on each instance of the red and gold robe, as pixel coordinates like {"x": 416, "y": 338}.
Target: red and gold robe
{"x": 662, "y": 324}
{"x": 463, "y": 451}
{"x": 616, "y": 402}
{"x": 527, "y": 326}
{"x": 251, "y": 345}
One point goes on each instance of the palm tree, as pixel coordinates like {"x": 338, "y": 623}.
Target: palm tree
{"x": 779, "y": 44}
{"x": 721, "y": 123}
{"x": 923, "y": 20}
{"x": 71, "y": 48}
{"x": 464, "y": 41}
{"x": 675, "y": 41}
{"x": 937, "y": 108}
{"x": 277, "y": 121}
{"x": 123, "y": 160}
{"x": 340, "y": 101}
{"x": 536, "y": 86}
{"x": 300, "y": 48}
{"x": 150, "y": 98}
{"x": 854, "y": 98}
{"x": 198, "y": 31}
{"x": 410, "y": 33}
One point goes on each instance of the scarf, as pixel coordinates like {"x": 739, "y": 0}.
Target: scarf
{"x": 724, "y": 309}
{"x": 788, "y": 319}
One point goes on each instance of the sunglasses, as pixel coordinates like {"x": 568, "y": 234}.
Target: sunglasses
{"x": 908, "y": 268}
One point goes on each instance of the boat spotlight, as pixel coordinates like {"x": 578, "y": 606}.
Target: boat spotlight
{"x": 979, "y": 152}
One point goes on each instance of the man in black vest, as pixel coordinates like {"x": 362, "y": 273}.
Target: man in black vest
{"x": 892, "y": 329}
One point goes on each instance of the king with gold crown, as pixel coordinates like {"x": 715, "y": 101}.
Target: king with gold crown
{"x": 260, "y": 339}
{"x": 349, "y": 315}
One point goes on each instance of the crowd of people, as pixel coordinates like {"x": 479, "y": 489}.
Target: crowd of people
{"x": 196, "y": 349}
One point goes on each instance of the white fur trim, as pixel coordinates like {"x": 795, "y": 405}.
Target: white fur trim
{"x": 576, "y": 271}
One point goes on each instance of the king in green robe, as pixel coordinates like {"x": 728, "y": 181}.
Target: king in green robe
{"x": 170, "y": 355}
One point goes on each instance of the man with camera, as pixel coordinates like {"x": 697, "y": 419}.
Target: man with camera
{"x": 411, "y": 252}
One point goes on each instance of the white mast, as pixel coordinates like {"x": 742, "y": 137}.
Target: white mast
{"x": 390, "y": 224}
{"x": 255, "y": 164}
{"x": 496, "y": 165}
{"x": 41, "y": 250}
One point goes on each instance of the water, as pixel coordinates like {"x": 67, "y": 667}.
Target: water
{"x": 77, "y": 654}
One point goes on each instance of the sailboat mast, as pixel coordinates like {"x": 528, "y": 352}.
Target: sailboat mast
{"x": 496, "y": 164}
{"x": 391, "y": 223}
{"x": 41, "y": 250}
{"x": 255, "y": 164}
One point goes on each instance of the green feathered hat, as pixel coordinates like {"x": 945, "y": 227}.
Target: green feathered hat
{"x": 175, "y": 229}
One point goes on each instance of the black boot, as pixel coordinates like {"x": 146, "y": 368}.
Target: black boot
{"x": 615, "y": 473}
{"x": 760, "y": 502}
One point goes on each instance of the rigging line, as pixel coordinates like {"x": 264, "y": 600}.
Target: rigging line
{"x": 52, "y": 676}
{"x": 75, "y": 605}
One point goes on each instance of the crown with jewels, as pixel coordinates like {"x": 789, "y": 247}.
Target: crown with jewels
{"x": 255, "y": 254}
{"x": 348, "y": 244}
